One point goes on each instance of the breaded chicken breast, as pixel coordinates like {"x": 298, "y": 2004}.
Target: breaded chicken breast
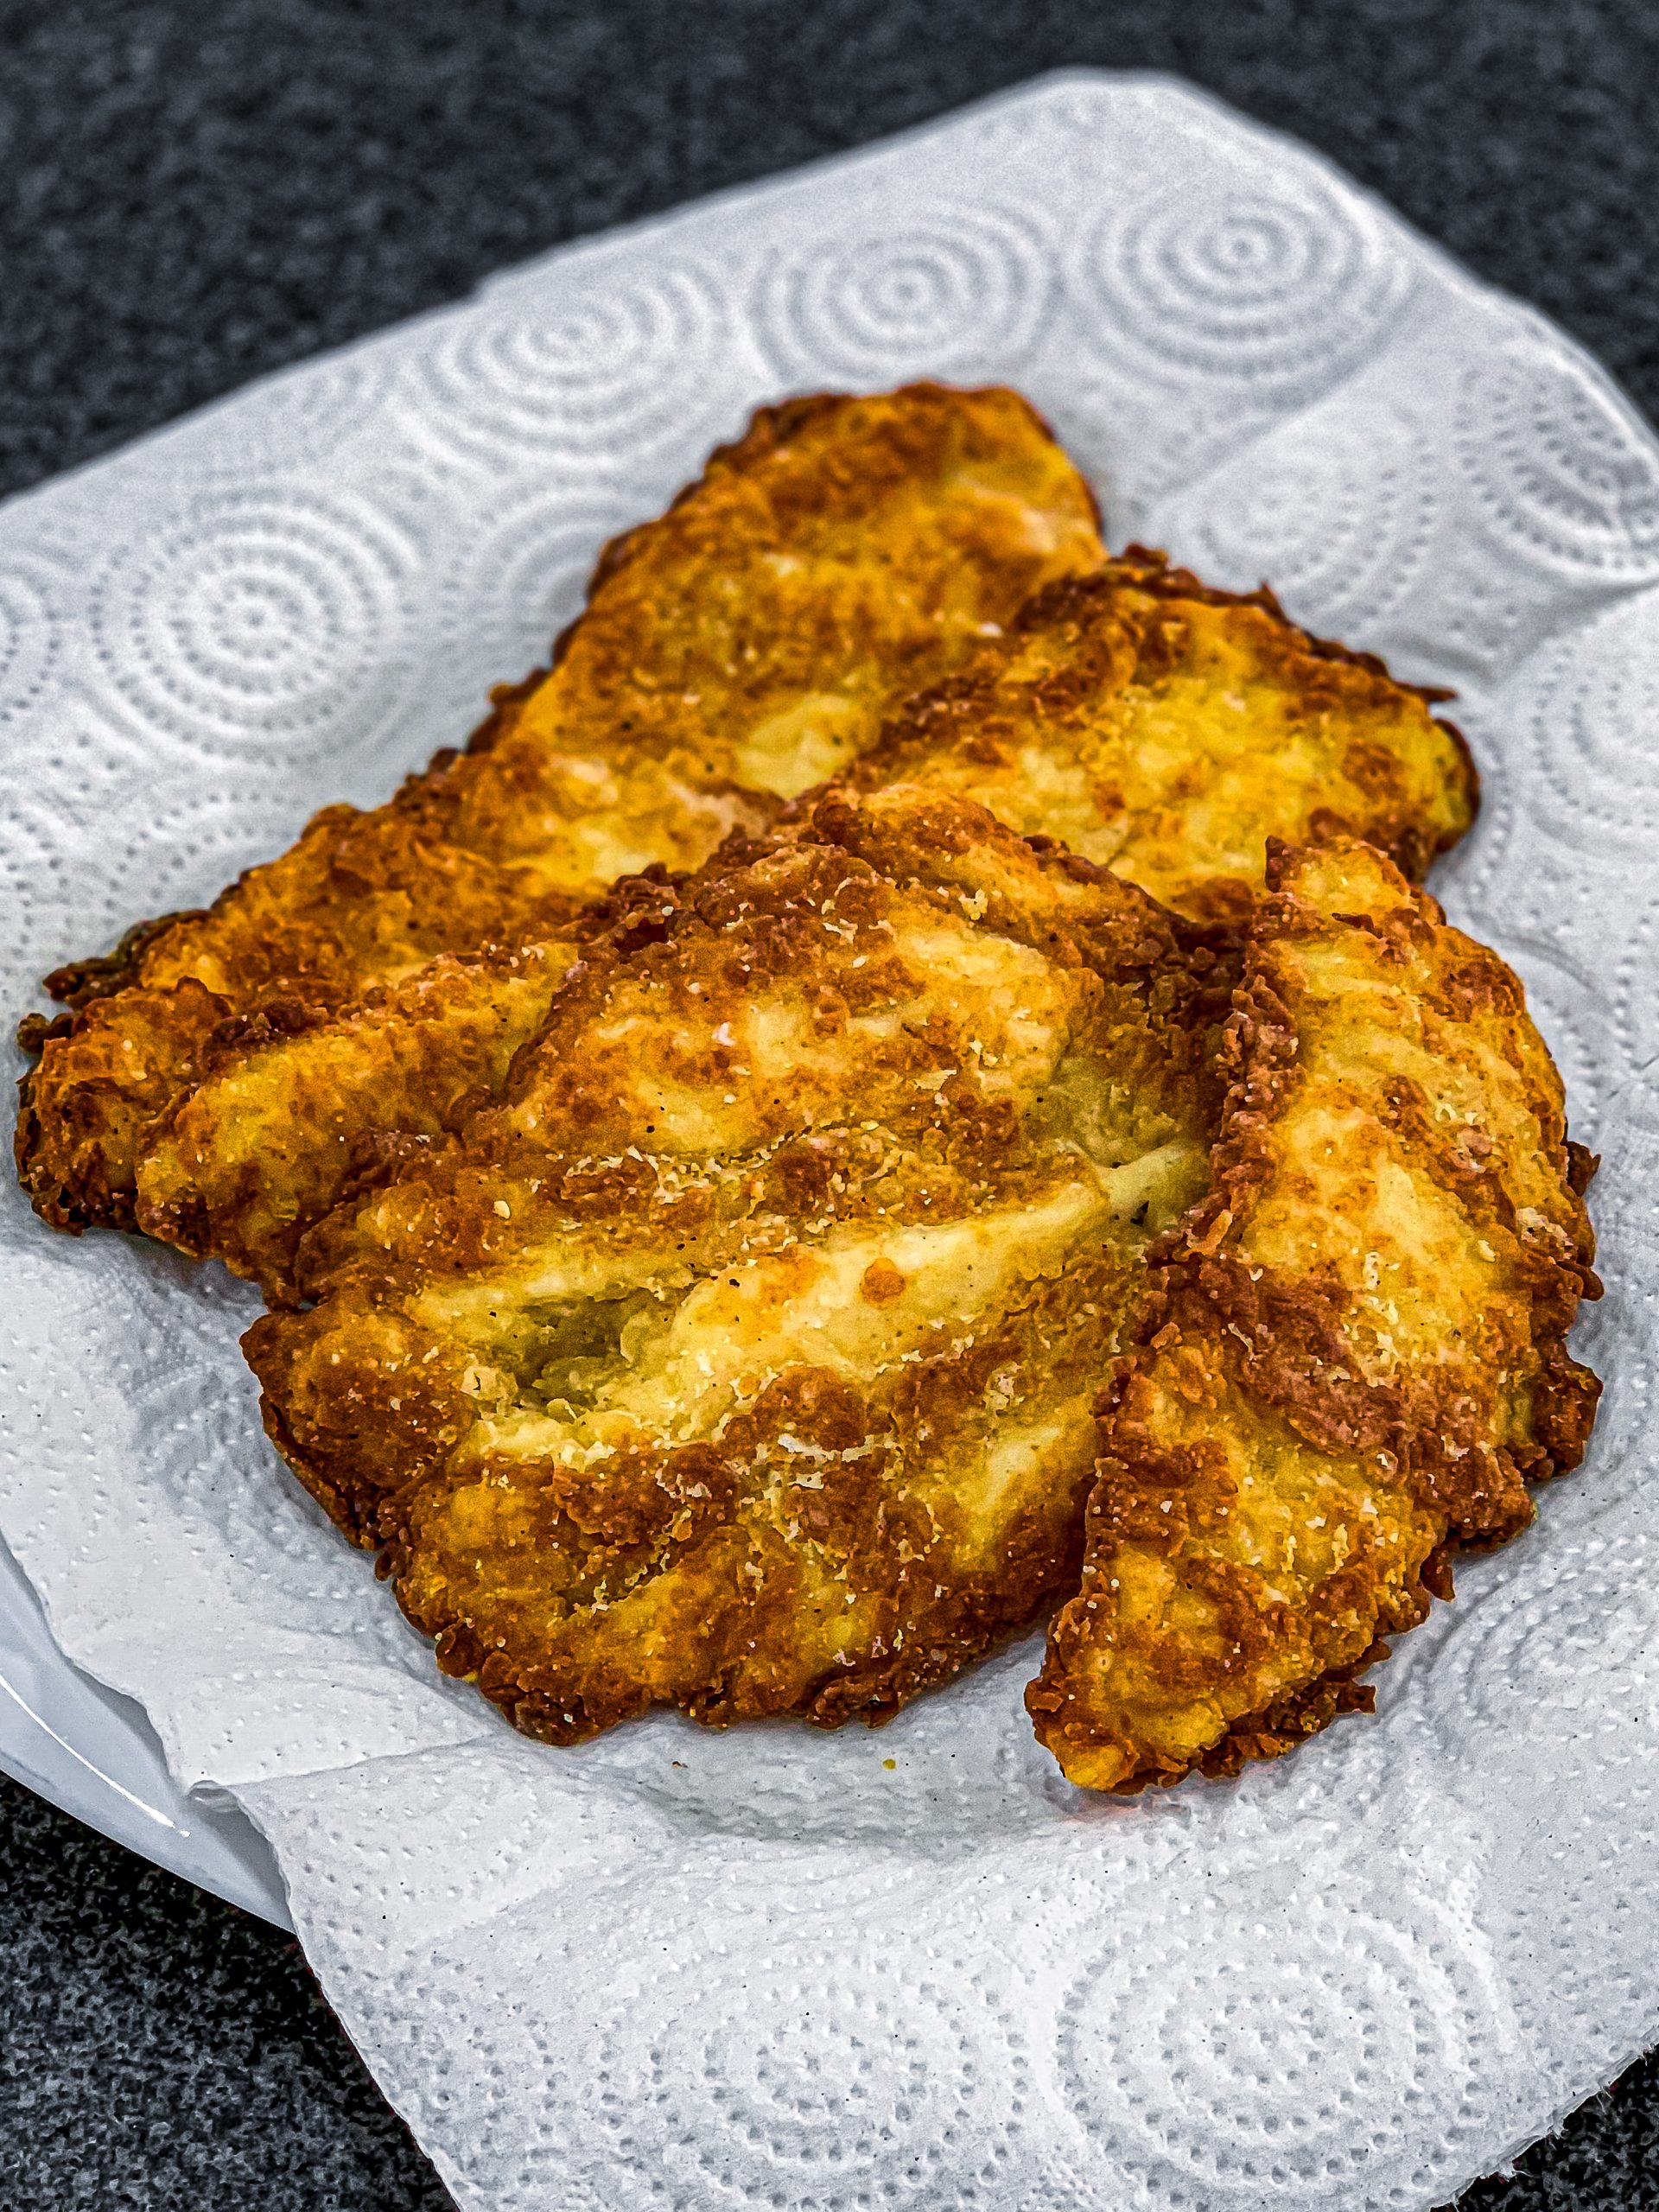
{"x": 744, "y": 646}
{"x": 744, "y": 1358}
{"x": 1167, "y": 731}
{"x": 1351, "y": 1359}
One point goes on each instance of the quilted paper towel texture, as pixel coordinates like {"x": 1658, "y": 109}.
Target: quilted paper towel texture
{"x": 912, "y": 1969}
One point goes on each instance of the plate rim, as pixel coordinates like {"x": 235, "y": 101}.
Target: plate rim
{"x": 114, "y": 1779}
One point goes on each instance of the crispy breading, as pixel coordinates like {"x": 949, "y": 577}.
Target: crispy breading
{"x": 1353, "y": 1356}
{"x": 1135, "y": 714}
{"x": 842, "y": 553}
{"x": 743, "y": 1359}
{"x": 291, "y": 1106}
{"x": 1167, "y": 731}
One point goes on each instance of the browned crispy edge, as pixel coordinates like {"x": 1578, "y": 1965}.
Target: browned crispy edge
{"x": 1148, "y": 569}
{"x": 771, "y": 430}
{"x": 1153, "y": 572}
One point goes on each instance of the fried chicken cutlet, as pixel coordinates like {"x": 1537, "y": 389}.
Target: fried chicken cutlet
{"x": 1351, "y": 1359}
{"x": 744, "y": 1358}
{"x": 843, "y": 553}
{"x": 1135, "y": 714}
{"x": 1167, "y": 730}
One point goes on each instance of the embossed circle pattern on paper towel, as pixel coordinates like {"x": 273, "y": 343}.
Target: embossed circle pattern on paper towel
{"x": 597, "y": 363}
{"x": 1561, "y": 473}
{"x": 1572, "y": 1016}
{"x": 1636, "y": 1000}
{"x": 945, "y": 293}
{"x": 1592, "y": 730}
{"x": 521, "y": 577}
{"x": 819, "y": 2079}
{"x": 1329, "y": 2045}
{"x": 183, "y": 850}
{"x": 40, "y": 887}
{"x": 952, "y": 1786}
{"x": 298, "y": 419}
{"x": 28, "y": 639}
{"x": 1278, "y": 288}
{"x": 260, "y": 622}
{"x": 1476, "y": 880}
{"x": 1559, "y": 1646}
{"x": 159, "y": 1305}
{"x": 1335, "y": 514}
{"x": 233, "y": 1496}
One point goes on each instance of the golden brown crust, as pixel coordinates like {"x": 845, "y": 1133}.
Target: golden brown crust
{"x": 1351, "y": 1356}
{"x": 295, "y": 1109}
{"x": 79, "y": 982}
{"x": 1168, "y": 730}
{"x": 743, "y": 1359}
{"x": 291, "y": 1104}
{"x": 843, "y": 552}
{"x": 358, "y": 896}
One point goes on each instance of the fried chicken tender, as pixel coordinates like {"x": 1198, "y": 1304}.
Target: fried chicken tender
{"x": 1167, "y": 731}
{"x": 744, "y": 1357}
{"x": 1351, "y": 1359}
{"x": 744, "y": 646}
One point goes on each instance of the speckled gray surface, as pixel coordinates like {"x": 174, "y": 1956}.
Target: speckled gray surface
{"x": 198, "y": 193}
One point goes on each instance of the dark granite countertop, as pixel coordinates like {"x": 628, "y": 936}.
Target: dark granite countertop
{"x": 195, "y": 194}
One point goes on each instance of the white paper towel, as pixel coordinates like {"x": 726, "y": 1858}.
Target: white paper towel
{"x": 675, "y": 1969}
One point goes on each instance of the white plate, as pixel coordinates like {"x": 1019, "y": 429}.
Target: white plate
{"x": 91, "y": 1752}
